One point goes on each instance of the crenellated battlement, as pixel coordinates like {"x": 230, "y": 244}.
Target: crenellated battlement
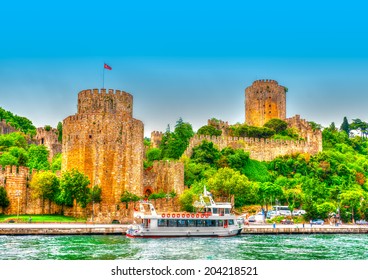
{"x": 156, "y": 138}
{"x": 263, "y": 81}
{"x": 13, "y": 170}
{"x": 95, "y": 101}
{"x": 259, "y": 148}
{"x": 156, "y": 134}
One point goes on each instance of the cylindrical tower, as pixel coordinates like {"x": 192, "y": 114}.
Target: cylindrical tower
{"x": 105, "y": 142}
{"x": 264, "y": 100}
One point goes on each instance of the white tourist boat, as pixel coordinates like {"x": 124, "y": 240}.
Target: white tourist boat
{"x": 213, "y": 219}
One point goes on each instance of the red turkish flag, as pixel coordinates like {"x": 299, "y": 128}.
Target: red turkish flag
{"x": 107, "y": 67}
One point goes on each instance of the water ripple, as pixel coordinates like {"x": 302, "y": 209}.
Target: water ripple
{"x": 246, "y": 247}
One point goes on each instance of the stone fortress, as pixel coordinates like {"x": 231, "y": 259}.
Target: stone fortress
{"x": 264, "y": 100}
{"x": 105, "y": 142}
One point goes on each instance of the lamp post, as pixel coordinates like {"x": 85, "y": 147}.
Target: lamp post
{"x": 17, "y": 194}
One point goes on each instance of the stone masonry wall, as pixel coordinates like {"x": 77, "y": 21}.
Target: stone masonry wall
{"x": 305, "y": 131}
{"x": 220, "y": 125}
{"x": 49, "y": 139}
{"x": 16, "y": 180}
{"x": 6, "y": 128}
{"x": 156, "y": 138}
{"x": 105, "y": 142}
{"x": 259, "y": 149}
{"x": 264, "y": 100}
{"x": 165, "y": 176}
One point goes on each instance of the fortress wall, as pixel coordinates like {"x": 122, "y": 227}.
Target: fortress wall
{"x": 165, "y": 176}
{"x": 259, "y": 149}
{"x": 49, "y": 139}
{"x": 16, "y": 179}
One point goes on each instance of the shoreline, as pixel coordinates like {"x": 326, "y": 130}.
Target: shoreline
{"x": 119, "y": 229}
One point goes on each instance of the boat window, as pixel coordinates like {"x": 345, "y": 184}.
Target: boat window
{"x": 191, "y": 223}
{"x": 162, "y": 223}
{"x": 182, "y": 223}
{"x": 227, "y": 211}
{"x": 201, "y": 223}
{"x": 221, "y": 212}
{"x": 231, "y": 222}
{"x": 172, "y": 223}
{"x": 214, "y": 210}
{"x": 220, "y": 223}
{"x": 210, "y": 223}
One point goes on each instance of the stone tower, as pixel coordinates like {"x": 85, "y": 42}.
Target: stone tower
{"x": 264, "y": 100}
{"x": 49, "y": 138}
{"x": 105, "y": 142}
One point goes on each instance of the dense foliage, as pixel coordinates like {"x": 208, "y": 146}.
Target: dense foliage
{"x": 14, "y": 150}
{"x": 4, "y": 200}
{"x": 44, "y": 185}
{"x": 329, "y": 183}
{"x": 209, "y": 130}
{"x": 21, "y": 123}
{"x": 74, "y": 187}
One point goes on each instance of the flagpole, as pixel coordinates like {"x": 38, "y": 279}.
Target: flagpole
{"x": 103, "y": 77}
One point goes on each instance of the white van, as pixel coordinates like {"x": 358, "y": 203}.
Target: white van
{"x": 282, "y": 210}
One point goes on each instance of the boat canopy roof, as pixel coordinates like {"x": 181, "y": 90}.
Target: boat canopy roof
{"x": 206, "y": 201}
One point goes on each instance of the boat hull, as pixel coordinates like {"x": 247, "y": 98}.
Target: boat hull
{"x": 149, "y": 233}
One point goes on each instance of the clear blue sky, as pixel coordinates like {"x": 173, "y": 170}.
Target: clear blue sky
{"x": 189, "y": 59}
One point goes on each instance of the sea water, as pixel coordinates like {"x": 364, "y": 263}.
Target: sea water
{"x": 244, "y": 247}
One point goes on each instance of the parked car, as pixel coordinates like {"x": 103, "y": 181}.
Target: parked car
{"x": 251, "y": 219}
{"x": 299, "y": 212}
{"x": 287, "y": 222}
{"x": 271, "y": 214}
{"x": 317, "y": 222}
{"x": 240, "y": 220}
{"x": 361, "y": 222}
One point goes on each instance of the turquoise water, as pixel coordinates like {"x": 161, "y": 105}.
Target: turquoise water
{"x": 248, "y": 247}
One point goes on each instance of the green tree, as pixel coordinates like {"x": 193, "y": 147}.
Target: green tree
{"x": 345, "y": 126}
{"x": 277, "y": 125}
{"x": 38, "y": 157}
{"x": 315, "y": 126}
{"x": 235, "y": 159}
{"x": 8, "y": 159}
{"x": 21, "y": 123}
{"x": 56, "y": 162}
{"x": 73, "y": 186}
{"x": 325, "y": 209}
{"x": 153, "y": 154}
{"x": 60, "y": 131}
{"x": 4, "y": 200}
{"x": 127, "y": 197}
{"x": 268, "y": 193}
{"x": 360, "y": 126}
{"x": 15, "y": 139}
{"x": 209, "y": 130}
{"x": 44, "y": 186}
{"x": 353, "y": 200}
{"x": 227, "y": 182}
{"x": 173, "y": 144}
{"x": 95, "y": 197}
{"x": 187, "y": 200}
{"x": 205, "y": 153}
